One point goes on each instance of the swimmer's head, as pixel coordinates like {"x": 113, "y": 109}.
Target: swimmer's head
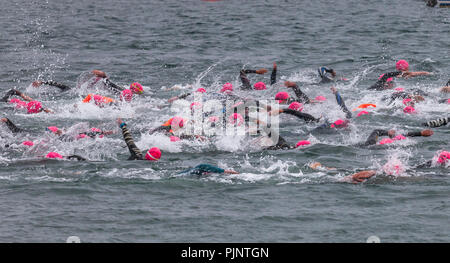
{"x": 443, "y": 157}
{"x": 389, "y": 84}
{"x": 320, "y": 98}
{"x": 340, "y": 124}
{"x": 227, "y": 88}
{"x": 362, "y": 113}
{"x": 176, "y": 123}
{"x": 409, "y": 109}
{"x": 201, "y": 90}
{"x": 259, "y": 86}
{"x": 52, "y": 129}
{"x": 28, "y": 143}
{"x": 136, "y": 88}
{"x": 296, "y": 106}
{"x": 34, "y": 107}
{"x": 282, "y": 96}
{"x": 386, "y": 141}
{"x": 126, "y": 95}
{"x": 53, "y": 155}
{"x": 394, "y": 167}
{"x": 153, "y": 154}
{"x": 323, "y": 72}
{"x": 402, "y": 65}
{"x": 302, "y": 143}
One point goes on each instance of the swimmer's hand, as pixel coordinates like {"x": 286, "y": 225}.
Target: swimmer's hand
{"x": 99, "y": 73}
{"x": 426, "y": 133}
{"x": 230, "y": 172}
{"x": 274, "y": 65}
{"x": 36, "y": 83}
{"x": 362, "y": 176}
{"x": 172, "y": 99}
{"x": 4, "y": 119}
{"x": 119, "y": 121}
{"x": 261, "y": 71}
{"x": 290, "y": 84}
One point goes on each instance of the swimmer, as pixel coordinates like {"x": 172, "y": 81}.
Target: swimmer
{"x": 32, "y": 106}
{"x": 205, "y": 169}
{"x": 153, "y": 154}
{"x": 373, "y": 137}
{"x": 260, "y": 85}
{"x": 385, "y": 81}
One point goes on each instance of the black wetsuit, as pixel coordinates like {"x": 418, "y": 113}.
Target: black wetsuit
{"x": 380, "y": 84}
{"x": 305, "y": 116}
{"x": 373, "y": 137}
{"x": 246, "y": 82}
{"x": 437, "y": 122}
{"x": 10, "y": 93}
{"x": 13, "y": 127}
{"x": 301, "y": 97}
{"x": 110, "y": 85}
{"x": 324, "y": 77}
{"x": 135, "y": 152}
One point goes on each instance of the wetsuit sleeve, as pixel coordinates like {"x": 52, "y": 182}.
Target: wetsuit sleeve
{"x": 206, "y": 168}
{"x": 165, "y": 129}
{"x": 77, "y": 157}
{"x": 379, "y": 85}
{"x": 425, "y": 165}
{"x": 281, "y": 144}
{"x": 437, "y": 123}
{"x": 300, "y": 95}
{"x": 13, "y": 127}
{"x": 55, "y": 84}
{"x": 443, "y": 101}
{"x": 448, "y": 83}
{"x": 184, "y": 96}
{"x": 273, "y": 76}
{"x": 305, "y": 116}
{"x": 398, "y": 95}
{"x": 245, "y": 81}
{"x": 344, "y": 108}
{"x": 113, "y": 87}
{"x": 373, "y": 137}
{"x": 414, "y": 134}
{"x": 135, "y": 152}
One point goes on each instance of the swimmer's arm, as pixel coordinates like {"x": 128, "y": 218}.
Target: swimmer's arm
{"x": 273, "y": 76}
{"x": 11, "y": 125}
{"x": 438, "y": 122}
{"x": 113, "y": 87}
{"x": 77, "y": 157}
{"x": 305, "y": 116}
{"x": 423, "y": 133}
{"x": 302, "y": 97}
{"x": 165, "y": 129}
{"x": 361, "y": 176}
{"x": 245, "y": 81}
{"x": 415, "y": 74}
{"x": 51, "y": 83}
{"x": 425, "y": 165}
{"x": 373, "y": 137}
{"x": 341, "y": 103}
{"x": 134, "y": 150}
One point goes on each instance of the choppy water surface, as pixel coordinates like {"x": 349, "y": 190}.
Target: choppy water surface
{"x": 276, "y": 198}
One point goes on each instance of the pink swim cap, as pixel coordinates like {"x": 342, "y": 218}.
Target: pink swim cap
{"x": 153, "y": 154}
{"x": 136, "y": 88}
{"x": 227, "y": 87}
{"x": 407, "y": 101}
{"x": 236, "y": 117}
{"x": 98, "y": 99}
{"x": 340, "y": 124}
{"x": 302, "y": 143}
{"x": 399, "y": 138}
{"x": 201, "y": 90}
{"x": 296, "y": 106}
{"x": 34, "y": 107}
{"x": 28, "y": 143}
{"x": 402, "y": 65}
{"x": 174, "y": 138}
{"x": 362, "y": 113}
{"x": 127, "y": 94}
{"x": 177, "y": 122}
{"x": 321, "y": 98}
{"x": 399, "y": 89}
{"x": 388, "y": 80}
{"x": 444, "y": 156}
{"x": 282, "y": 95}
{"x": 14, "y": 101}
{"x": 409, "y": 109}
{"x": 448, "y": 101}
{"x": 260, "y": 86}
{"x": 53, "y": 155}
{"x": 81, "y": 136}
{"x": 386, "y": 141}
{"x": 53, "y": 129}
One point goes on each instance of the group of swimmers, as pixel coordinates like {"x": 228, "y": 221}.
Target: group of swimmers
{"x": 238, "y": 115}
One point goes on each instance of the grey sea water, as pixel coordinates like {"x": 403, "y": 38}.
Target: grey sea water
{"x": 173, "y": 47}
